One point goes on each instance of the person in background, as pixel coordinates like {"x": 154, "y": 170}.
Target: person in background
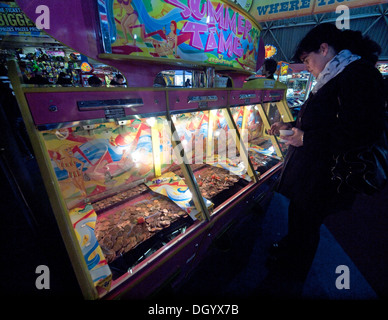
{"x": 345, "y": 110}
{"x": 10, "y": 111}
{"x": 118, "y": 80}
{"x": 269, "y": 68}
{"x": 64, "y": 80}
{"x": 94, "y": 81}
{"x": 386, "y": 92}
{"x": 159, "y": 81}
{"x": 38, "y": 79}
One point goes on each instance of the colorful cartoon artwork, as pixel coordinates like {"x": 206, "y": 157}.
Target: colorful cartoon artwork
{"x": 217, "y": 148}
{"x": 128, "y": 20}
{"x": 84, "y": 222}
{"x": 65, "y": 160}
{"x": 253, "y": 127}
{"x": 89, "y": 162}
{"x": 209, "y": 31}
{"x": 169, "y": 44}
{"x": 253, "y": 122}
{"x": 265, "y": 151}
{"x": 175, "y": 188}
{"x": 270, "y": 51}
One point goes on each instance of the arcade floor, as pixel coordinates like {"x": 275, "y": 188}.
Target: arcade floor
{"x": 235, "y": 270}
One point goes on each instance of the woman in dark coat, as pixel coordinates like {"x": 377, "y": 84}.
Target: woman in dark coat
{"x": 344, "y": 110}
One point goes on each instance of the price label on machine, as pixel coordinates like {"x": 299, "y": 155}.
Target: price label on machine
{"x": 114, "y": 113}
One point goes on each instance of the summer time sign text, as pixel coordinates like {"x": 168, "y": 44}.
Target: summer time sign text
{"x": 207, "y": 31}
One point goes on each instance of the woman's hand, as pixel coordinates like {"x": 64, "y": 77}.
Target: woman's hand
{"x": 278, "y": 126}
{"x": 296, "y": 139}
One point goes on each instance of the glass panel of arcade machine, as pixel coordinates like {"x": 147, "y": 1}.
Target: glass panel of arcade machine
{"x": 263, "y": 149}
{"x": 212, "y": 151}
{"x": 114, "y": 170}
{"x": 273, "y": 116}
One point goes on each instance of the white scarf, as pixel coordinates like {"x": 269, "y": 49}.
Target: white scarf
{"x": 334, "y": 67}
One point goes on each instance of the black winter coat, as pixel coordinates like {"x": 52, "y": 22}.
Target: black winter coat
{"x": 347, "y": 112}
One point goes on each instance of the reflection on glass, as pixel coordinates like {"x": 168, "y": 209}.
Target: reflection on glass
{"x": 262, "y": 153}
{"x": 118, "y": 184}
{"x": 212, "y": 151}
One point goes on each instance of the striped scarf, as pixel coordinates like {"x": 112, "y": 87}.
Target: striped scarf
{"x": 334, "y": 67}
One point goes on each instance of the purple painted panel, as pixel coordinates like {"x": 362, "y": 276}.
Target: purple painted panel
{"x": 273, "y": 95}
{"x": 43, "y": 111}
{"x": 80, "y": 34}
{"x": 194, "y": 99}
{"x": 75, "y": 23}
{"x": 245, "y": 97}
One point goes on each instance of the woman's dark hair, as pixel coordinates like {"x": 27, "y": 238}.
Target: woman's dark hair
{"x": 94, "y": 81}
{"x": 159, "y": 81}
{"x": 271, "y": 65}
{"x": 328, "y": 33}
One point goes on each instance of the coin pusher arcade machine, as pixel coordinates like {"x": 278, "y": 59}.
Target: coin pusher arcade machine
{"x": 142, "y": 179}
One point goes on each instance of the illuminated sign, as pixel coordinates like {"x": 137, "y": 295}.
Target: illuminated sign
{"x": 270, "y": 51}
{"x": 282, "y": 68}
{"x": 14, "y": 22}
{"x": 86, "y": 67}
{"x": 204, "y": 32}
